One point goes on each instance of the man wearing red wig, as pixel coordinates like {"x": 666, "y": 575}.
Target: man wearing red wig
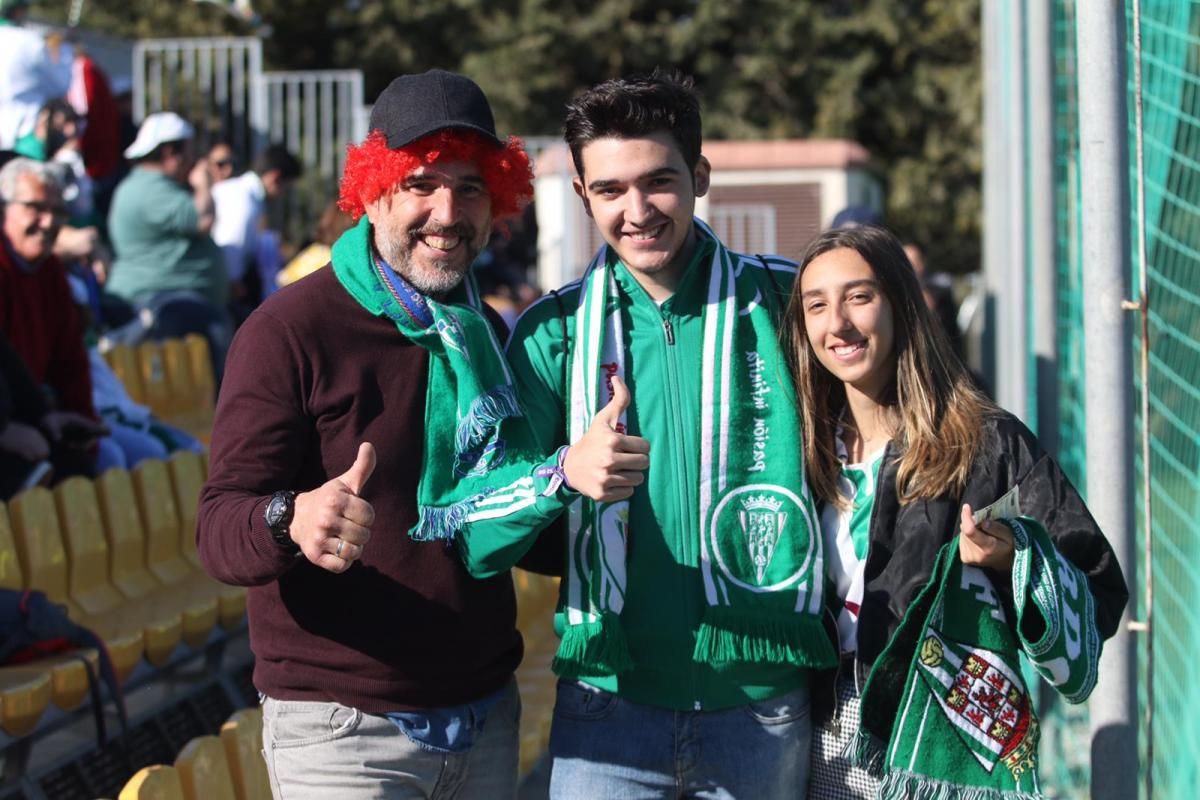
{"x": 386, "y": 670}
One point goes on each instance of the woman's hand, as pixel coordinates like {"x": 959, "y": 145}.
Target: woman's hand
{"x": 989, "y": 545}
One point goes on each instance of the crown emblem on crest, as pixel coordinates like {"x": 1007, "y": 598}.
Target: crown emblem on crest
{"x": 762, "y": 502}
{"x": 762, "y": 524}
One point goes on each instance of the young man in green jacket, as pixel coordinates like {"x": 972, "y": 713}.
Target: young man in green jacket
{"x": 690, "y": 607}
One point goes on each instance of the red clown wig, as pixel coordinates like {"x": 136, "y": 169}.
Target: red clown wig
{"x": 373, "y": 169}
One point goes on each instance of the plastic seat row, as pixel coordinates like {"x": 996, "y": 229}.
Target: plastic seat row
{"x": 210, "y": 767}
{"x": 231, "y": 765}
{"x": 173, "y": 377}
{"x": 119, "y": 552}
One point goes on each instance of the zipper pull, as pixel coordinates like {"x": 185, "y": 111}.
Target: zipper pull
{"x": 669, "y": 331}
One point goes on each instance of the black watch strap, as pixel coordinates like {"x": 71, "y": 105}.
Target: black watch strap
{"x": 278, "y": 516}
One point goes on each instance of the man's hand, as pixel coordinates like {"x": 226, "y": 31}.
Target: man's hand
{"x": 24, "y": 441}
{"x": 603, "y": 464}
{"x": 332, "y": 523}
{"x": 73, "y": 430}
{"x": 199, "y": 178}
{"x": 989, "y": 545}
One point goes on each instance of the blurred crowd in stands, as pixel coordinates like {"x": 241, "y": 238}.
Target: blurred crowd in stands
{"x": 114, "y": 233}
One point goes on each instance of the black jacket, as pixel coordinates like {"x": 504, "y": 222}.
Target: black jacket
{"x": 905, "y": 539}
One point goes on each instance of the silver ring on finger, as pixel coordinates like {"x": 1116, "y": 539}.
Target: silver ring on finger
{"x": 338, "y": 551}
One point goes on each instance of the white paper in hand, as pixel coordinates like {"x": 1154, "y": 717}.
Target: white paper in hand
{"x": 1007, "y": 507}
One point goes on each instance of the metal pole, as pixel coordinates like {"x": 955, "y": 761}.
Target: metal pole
{"x": 1042, "y": 228}
{"x": 1104, "y": 162}
{"x": 1004, "y": 199}
{"x": 993, "y": 189}
{"x": 1013, "y": 313}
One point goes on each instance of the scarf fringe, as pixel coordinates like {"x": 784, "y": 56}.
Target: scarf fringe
{"x": 484, "y": 416}
{"x": 751, "y": 635}
{"x": 593, "y": 648}
{"x": 866, "y": 751}
{"x": 442, "y": 523}
{"x": 904, "y": 785}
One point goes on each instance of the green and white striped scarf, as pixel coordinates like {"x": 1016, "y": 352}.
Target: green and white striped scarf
{"x": 479, "y": 451}
{"x": 760, "y": 545}
{"x": 965, "y": 728}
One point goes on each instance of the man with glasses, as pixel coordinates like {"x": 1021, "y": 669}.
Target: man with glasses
{"x": 38, "y": 315}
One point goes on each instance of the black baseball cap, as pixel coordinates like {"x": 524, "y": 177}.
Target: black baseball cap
{"x": 413, "y": 106}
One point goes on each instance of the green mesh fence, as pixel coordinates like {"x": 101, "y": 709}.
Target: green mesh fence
{"x": 1171, "y": 142}
{"x": 1170, "y": 31}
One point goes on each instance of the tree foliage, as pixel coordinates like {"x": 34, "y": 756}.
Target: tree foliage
{"x": 902, "y": 77}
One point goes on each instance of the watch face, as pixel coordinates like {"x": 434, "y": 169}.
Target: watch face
{"x": 276, "y": 510}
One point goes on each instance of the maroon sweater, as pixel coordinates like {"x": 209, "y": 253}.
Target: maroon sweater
{"x": 309, "y": 376}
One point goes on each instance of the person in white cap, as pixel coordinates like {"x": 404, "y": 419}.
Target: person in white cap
{"x": 160, "y": 229}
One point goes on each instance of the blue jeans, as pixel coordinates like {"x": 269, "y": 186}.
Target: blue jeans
{"x": 603, "y": 746}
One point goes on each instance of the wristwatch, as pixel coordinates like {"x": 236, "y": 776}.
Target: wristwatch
{"x": 278, "y": 517}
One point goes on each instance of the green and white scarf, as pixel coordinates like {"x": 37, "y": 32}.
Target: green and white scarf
{"x": 965, "y": 728}
{"x": 760, "y": 545}
{"x": 469, "y": 470}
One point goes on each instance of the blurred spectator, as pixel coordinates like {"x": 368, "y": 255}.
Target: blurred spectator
{"x": 239, "y": 204}
{"x": 938, "y": 289}
{"x": 100, "y": 142}
{"x": 332, "y": 224}
{"x": 851, "y": 216}
{"x": 24, "y": 450}
{"x": 122, "y": 89}
{"x": 160, "y": 229}
{"x": 38, "y": 315}
{"x": 56, "y": 125}
{"x": 58, "y": 136}
{"x": 221, "y": 163}
{"x": 35, "y": 68}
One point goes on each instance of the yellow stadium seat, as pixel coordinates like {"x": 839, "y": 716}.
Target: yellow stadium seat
{"x": 68, "y": 677}
{"x": 24, "y": 695}
{"x": 128, "y": 564}
{"x": 90, "y": 586}
{"x": 178, "y": 369}
{"x": 123, "y": 361}
{"x": 160, "y": 522}
{"x": 202, "y": 377}
{"x": 153, "y": 374}
{"x": 164, "y": 556}
{"x": 203, "y": 770}
{"x": 536, "y": 599}
{"x": 159, "y": 782}
{"x": 242, "y": 736}
{"x": 187, "y": 478}
{"x": 43, "y": 559}
{"x": 10, "y": 565}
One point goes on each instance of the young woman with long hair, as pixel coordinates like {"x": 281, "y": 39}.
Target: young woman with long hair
{"x": 900, "y": 449}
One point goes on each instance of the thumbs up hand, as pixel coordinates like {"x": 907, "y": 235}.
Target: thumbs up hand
{"x": 606, "y": 465}
{"x": 332, "y": 523}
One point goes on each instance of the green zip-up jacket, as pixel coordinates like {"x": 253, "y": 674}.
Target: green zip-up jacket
{"x": 664, "y": 601}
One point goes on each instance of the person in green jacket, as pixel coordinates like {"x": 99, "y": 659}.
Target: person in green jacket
{"x": 690, "y": 607}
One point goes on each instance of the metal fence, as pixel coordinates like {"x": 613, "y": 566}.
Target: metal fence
{"x": 220, "y": 85}
{"x": 1163, "y": 195}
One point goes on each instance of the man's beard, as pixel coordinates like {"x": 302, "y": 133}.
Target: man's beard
{"x": 430, "y": 276}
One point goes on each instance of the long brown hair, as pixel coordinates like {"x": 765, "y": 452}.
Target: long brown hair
{"x": 937, "y": 408}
